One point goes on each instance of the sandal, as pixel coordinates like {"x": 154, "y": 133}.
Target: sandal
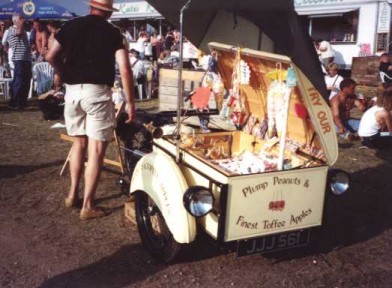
{"x": 72, "y": 202}
{"x": 95, "y": 212}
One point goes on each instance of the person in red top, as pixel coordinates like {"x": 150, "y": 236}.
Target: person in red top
{"x": 84, "y": 53}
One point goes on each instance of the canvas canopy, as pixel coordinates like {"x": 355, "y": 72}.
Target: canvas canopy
{"x": 133, "y": 9}
{"x": 271, "y": 26}
{"x": 31, "y": 9}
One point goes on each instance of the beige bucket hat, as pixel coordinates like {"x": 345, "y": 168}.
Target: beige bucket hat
{"x": 105, "y": 5}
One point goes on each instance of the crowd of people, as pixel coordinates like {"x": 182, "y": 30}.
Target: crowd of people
{"x": 155, "y": 47}
{"x": 147, "y": 54}
{"x": 23, "y": 43}
{"x": 374, "y": 128}
{"x": 40, "y": 35}
{"x": 152, "y": 51}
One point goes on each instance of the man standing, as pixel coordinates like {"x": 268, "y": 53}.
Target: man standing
{"x": 84, "y": 52}
{"x": 53, "y": 28}
{"x": 325, "y": 51}
{"x": 7, "y": 54}
{"x": 21, "y": 57}
{"x": 41, "y": 39}
{"x": 2, "y": 31}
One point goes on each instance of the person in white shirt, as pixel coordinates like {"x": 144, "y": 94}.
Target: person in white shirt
{"x": 332, "y": 80}
{"x": 190, "y": 51}
{"x": 325, "y": 51}
{"x": 141, "y": 43}
{"x": 139, "y": 73}
{"x": 5, "y": 44}
{"x": 128, "y": 35}
{"x": 377, "y": 119}
{"x": 136, "y": 64}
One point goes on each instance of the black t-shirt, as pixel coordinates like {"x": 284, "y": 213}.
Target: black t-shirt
{"x": 384, "y": 68}
{"x": 89, "y": 44}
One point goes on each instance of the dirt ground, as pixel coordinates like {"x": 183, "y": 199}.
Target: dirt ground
{"x": 44, "y": 244}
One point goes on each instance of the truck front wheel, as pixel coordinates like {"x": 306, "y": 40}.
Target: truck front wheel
{"x": 154, "y": 233}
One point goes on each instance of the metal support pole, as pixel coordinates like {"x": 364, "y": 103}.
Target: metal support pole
{"x": 134, "y": 31}
{"x": 180, "y": 98}
{"x": 160, "y": 27}
{"x": 282, "y": 142}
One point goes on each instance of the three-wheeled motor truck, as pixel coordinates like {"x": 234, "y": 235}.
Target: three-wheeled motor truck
{"x": 264, "y": 186}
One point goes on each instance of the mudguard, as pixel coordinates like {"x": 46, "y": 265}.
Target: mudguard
{"x": 160, "y": 177}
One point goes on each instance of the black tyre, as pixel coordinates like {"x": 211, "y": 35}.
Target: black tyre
{"x": 154, "y": 233}
{"x": 130, "y": 163}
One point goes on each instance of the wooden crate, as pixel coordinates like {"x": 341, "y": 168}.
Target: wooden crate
{"x": 129, "y": 211}
{"x": 168, "y": 86}
{"x": 367, "y": 91}
{"x": 365, "y": 71}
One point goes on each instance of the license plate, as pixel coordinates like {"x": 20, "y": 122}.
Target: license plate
{"x": 273, "y": 242}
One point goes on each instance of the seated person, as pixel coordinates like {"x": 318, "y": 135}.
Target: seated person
{"x": 190, "y": 51}
{"x": 118, "y": 95}
{"x": 342, "y": 104}
{"x": 207, "y": 62}
{"x": 380, "y": 89}
{"x": 51, "y": 103}
{"x": 136, "y": 64}
{"x": 171, "y": 59}
{"x": 376, "y": 120}
{"x": 162, "y": 56}
{"x": 175, "y": 51}
{"x": 332, "y": 80}
{"x": 386, "y": 66}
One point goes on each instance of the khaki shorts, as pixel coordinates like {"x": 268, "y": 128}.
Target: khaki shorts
{"x": 89, "y": 110}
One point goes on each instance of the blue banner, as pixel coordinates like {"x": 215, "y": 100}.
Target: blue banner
{"x": 31, "y": 9}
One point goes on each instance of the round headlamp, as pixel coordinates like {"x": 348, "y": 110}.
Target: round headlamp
{"x": 339, "y": 181}
{"x": 198, "y": 201}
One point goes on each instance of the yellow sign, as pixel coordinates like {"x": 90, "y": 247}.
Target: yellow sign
{"x": 275, "y": 202}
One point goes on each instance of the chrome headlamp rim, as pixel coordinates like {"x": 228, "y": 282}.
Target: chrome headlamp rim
{"x": 193, "y": 196}
{"x": 338, "y": 181}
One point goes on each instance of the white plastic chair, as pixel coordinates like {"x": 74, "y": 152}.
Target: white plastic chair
{"x": 43, "y": 74}
{"x": 4, "y": 82}
{"x": 147, "y": 85}
{"x": 384, "y": 76}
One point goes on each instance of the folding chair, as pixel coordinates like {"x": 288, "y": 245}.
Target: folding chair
{"x": 4, "y": 82}
{"x": 119, "y": 162}
{"x": 43, "y": 74}
{"x": 384, "y": 76}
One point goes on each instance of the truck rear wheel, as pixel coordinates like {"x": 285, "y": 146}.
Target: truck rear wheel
{"x": 154, "y": 233}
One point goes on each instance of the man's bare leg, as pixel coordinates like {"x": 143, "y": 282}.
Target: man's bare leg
{"x": 96, "y": 154}
{"x": 76, "y": 164}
